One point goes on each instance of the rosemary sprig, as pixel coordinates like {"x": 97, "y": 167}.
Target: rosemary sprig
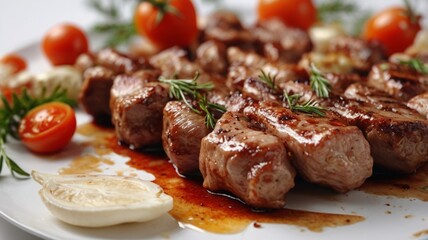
{"x": 12, "y": 113}
{"x": 310, "y": 107}
{"x": 268, "y": 79}
{"x": 334, "y": 9}
{"x": 411, "y": 11}
{"x": 15, "y": 169}
{"x": 292, "y": 101}
{"x": 116, "y": 29}
{"x": 319, "y": 82}
{"x": 183, "y": 89}
{"x": 209, "y": 108}
{"x": 416, "y": 64}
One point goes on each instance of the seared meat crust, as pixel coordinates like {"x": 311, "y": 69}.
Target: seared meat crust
{"x": 250, "y": 163}
{"x": 182, "y": 133}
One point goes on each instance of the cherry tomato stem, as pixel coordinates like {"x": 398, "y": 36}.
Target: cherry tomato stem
{"x": 168, "y": 28}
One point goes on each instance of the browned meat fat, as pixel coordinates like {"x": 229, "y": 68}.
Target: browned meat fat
{"x": 182, "y": 133}
{"x": 399, "y": 81}
{"x": 95, "y": 93}
{"x": 325, "y": 151}
{"x": 247, "y": 162}
{"x": 137, "y": 110}
{"x": 420, "y": 104}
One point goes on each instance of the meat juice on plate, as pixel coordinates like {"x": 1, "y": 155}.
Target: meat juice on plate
{"x": 196, "y": 207}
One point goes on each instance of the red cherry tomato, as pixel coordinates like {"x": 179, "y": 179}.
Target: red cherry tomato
{"x": 48, "y": 128}
{"x": 15, "y": 61}
{"x": 294, "y": 13}
{"x": 177, "y": 27}
{"x": 393, "y": 28}
{"x": 63, "y": 43}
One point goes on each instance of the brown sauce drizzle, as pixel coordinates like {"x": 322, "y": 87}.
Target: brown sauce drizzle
{"x": 409, "y": 186}
{"x": 194, "y": 206}
{"x": 421, "y": 233}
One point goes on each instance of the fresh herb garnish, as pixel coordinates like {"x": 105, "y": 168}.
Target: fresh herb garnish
{"x": 335, "y": 9}
{"x": 12, "y": 113}
{"x": 268, "y": 79}
{"x": 319, "y": 82}
{"x": 183, "y": 89}
{"x": 416, "y": 64}
{"x": 310, "y": 107}
{"x": 292, "y": 101}
{"x": 163, "y": 7}
{"x": 411, "y": 12}
{"x": 117, "y": 29}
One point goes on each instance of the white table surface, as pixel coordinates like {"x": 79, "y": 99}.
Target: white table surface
{"x": 23, "y": 22}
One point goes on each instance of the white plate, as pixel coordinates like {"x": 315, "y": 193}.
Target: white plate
{"x": 385, "y": 217}
{"x": 21, "y": 205}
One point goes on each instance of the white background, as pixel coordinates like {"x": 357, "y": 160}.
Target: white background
{"x": 25, "y": 21}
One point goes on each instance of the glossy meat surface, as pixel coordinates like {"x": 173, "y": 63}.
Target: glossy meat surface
{"x": 247, "y": 162}
{"x": 324, "y": 150}
{"x": 137, "y": 110}
{"x": 182, "y": 133}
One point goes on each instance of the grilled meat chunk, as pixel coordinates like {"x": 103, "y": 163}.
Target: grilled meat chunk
{"x": 225, "y": 27}
{"x": 118, "y": 62}
{"x": 248, "y": 64}
{"x": 398, "y": 137}
{"x": 174, "y": 61}
{"x": 95, "y": 93}
{"x": 249, "y": 163}
{"x": 420, "y": 104}
{"x": 137, "y": 110}
{"x": 211, "y": 56}
{"x": 400, "y": 81}
{"x": 325, "y": 151}
{"x": 363, "y": 54}
{"x": 182, "y": 133}
{"x": 278, "y": 42}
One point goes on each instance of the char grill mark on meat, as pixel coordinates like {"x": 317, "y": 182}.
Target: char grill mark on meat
{"x": 399, "y": 81}
{"x": 363, "y": 54}
{"x": 420, "y": 104}
{"x": 137, "y": 104}
{"x": 278, "y": 42}
{"x": 253, "y": 165}
{"x": 182, "y": 133}
{"x": 325, "y": 151}
{"x": 397, "y": 137}
{"x": 95, "y": 93}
